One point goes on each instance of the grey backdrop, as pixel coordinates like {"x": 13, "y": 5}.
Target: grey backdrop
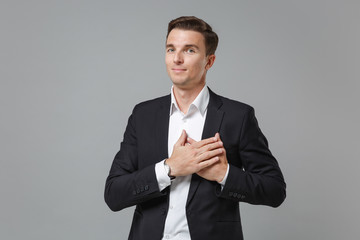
{"x": 71, "y": 72}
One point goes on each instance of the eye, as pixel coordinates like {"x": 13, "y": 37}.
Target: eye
{"x": 170, "y": 50}
{"x": 190, "y": 50}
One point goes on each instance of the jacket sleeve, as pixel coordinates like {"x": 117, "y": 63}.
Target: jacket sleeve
{"x": 256, "y": 177}
{"x": 127, "y": 185}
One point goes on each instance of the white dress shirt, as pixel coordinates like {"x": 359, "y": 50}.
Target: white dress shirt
{"x": 176, "y": 226}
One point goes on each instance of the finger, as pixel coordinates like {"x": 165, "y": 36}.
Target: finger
{"x": 217, "y": 135}
{"x": 209, "y": 154}
{"x": 207, "y": 163}
{"x": 210, "y": 146}
{"x": 182, "y": 139}
{"x": 204, "y": 142}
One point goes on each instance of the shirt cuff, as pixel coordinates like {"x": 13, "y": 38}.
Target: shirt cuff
{"x": 161, "y": 175}
{"x": 222, "y": 183}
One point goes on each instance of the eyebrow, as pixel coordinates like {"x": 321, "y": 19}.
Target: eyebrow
{"x": 186, "y": 46}
{"x": 192, "y": 46}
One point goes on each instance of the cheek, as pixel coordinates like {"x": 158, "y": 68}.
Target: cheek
{"x": 199, "y": 67}
{"x": 167, "y": 61}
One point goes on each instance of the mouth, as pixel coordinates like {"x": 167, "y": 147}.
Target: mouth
{"x": 178, "y": 70}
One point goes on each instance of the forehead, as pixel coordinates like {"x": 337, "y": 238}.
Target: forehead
{"x": 180, "y": 37}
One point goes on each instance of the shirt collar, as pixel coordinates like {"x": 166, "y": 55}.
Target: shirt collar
{"x": 201, "y": 101}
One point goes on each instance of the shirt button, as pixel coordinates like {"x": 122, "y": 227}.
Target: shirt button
{"x": 171, "y": 207}
{"x": 167, "y": 236}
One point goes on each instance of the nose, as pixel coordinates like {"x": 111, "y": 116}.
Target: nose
{"x": 178, "y": 58}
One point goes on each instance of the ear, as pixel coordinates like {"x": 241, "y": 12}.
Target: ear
{"x": 210, "y": 61}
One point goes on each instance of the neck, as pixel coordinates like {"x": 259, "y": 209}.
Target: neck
{"x": 184, "y": 97}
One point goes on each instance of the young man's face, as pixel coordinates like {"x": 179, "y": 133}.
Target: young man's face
{"x": 186, "y": 60}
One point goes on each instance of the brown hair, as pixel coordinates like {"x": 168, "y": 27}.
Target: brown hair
{"x": 198, "y": 25}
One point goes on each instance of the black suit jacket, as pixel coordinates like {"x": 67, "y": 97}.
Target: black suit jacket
{"x": 254, "y": 175}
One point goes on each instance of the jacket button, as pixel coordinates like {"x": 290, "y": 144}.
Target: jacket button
{"x": 141, "y": 188}
{"x": 146, "y": 187}
{"x": 231, "y": 194}
{"x": 235, "y": 194}
{"x": 137, "y": 191}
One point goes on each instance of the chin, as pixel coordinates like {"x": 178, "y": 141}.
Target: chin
{"x": 179, "y": 82}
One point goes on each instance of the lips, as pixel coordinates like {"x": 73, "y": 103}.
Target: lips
{"x": 178, "y": 69}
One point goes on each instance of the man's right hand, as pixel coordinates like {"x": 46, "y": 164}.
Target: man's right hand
{"x": 187, "y": 158}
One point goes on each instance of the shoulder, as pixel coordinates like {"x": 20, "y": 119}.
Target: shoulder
{"x": 153, "y": 104}
{"x": 231, "y": 105}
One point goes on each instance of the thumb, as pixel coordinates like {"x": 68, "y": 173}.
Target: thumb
{"x": 182, "y": 139}
{"x": 190, "y": 140}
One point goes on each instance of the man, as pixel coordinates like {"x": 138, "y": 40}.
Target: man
{"x": 189, "y": 158}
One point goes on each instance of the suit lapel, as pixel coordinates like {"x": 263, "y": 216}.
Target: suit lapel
{"x": 162, "y": 126}
{"x": 214, "y": 116}
{"x": 212, "y": 125}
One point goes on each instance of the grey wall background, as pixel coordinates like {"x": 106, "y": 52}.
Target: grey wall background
{"x": 71, "y": 72}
